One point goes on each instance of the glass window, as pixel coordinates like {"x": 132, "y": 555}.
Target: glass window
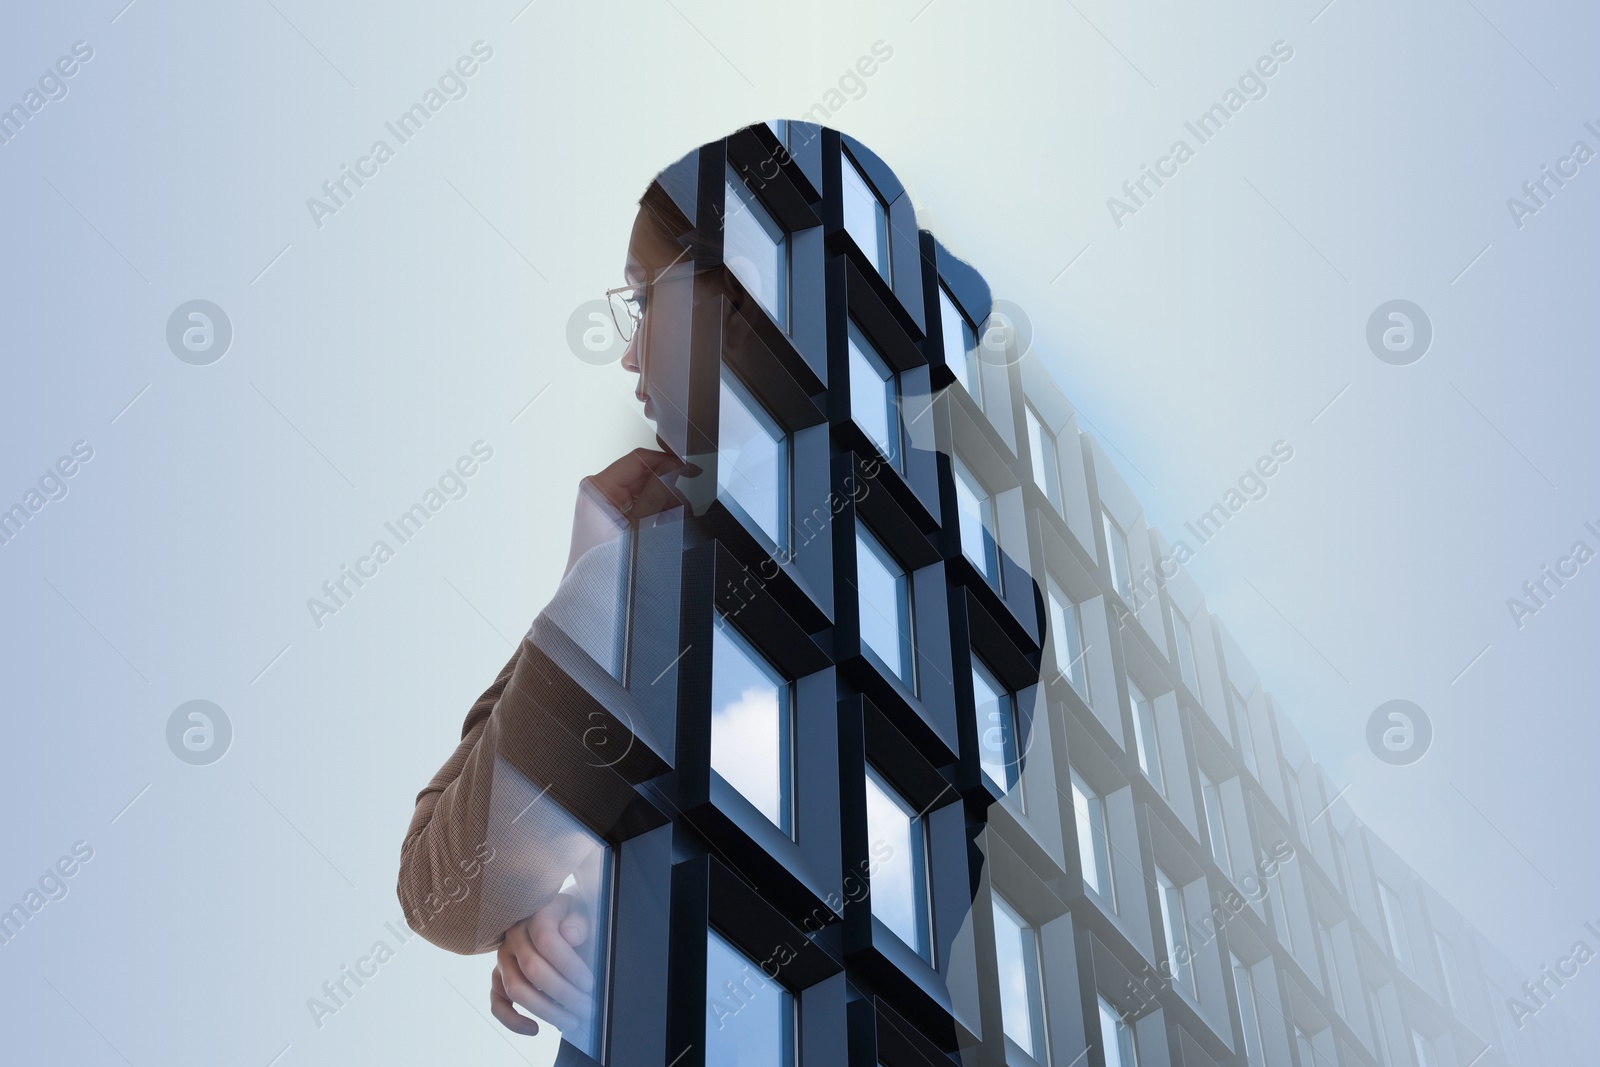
{"x": 873, "y": 396}
{"x": 1046, "y": 460}
{"x": 597, "y": 617}
{"x": 997, "y": 727}
{"x": 591, "y": 885}
{"x": 1278, "y": 905}
{"x": 1146, "y": 744}
{"x": 960, "y": 346}
{"x": 753, "y": 461}
{"x": 750, "y": 1018}
{"x": 1185, "y": 642}
{"x": 1211, "y": 798}
{"x": 865, "y": 216}
{"x": 1381, "y": 1037}
{"x": 1340, "y": 859}
{"x": 1331, "y": 965}
{"x": 781, "y": 128}
{"x": 1297, "y": 806}
{"x": 897, "y": 843}
{"x": 884, "y": 590}
{"x": 1244, "y": 989}
{"x": 1424, "y": 1050}
{"x": 750, "y": 727}
{"x": 1066, "y": 631}
{"x": 756, "y": 249}
{"x": 975, "y": 511}
{"x": 1175, "y": 925}
{"x": 1247, "y": 740}
{"x": 1094, "y": 844}
{"x": 1451, "y": 976}
{"x": 1394, "y": 923}
{"x": 1117, "y": 550}
{"x": 1016, "y": 950}
{"x": 1303, "y": 1048}
{"x": 1116, "y": 1037}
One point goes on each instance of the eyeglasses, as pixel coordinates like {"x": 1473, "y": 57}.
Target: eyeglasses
{"x": 627, "y": 308}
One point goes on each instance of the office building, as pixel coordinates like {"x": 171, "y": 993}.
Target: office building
{"x": 928, "y": 754}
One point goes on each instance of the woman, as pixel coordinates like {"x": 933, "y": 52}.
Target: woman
{"x": 485, "y": 865}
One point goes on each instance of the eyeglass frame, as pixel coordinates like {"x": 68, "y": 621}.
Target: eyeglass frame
{"x": 643, "y": 288}
{"x": 635, "y": 317}
{"x": 634, "y": 308}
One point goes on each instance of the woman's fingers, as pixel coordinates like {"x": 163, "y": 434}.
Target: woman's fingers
{"x": 633, "y": 484}
{"x": 626, "y": 477}
{"x": 543, "y": 975}
{"x": 652, "y": 497}
{"x": 639, "y": 464}
{"x": 522, "y": 990}
{"x": 538, "y": 968}
{"x": 555, "y": 930}
{"x": 503, "y": 1010}
{"x": 575, "y": 928}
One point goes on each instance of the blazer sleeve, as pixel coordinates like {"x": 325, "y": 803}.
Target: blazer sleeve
{"x": 487, "y": 847}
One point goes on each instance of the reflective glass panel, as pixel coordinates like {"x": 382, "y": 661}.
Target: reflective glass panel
{"x": 1016, "y": 949}
{"x": 1094, "y": 856}
{"x": 885, "y": 594}
{"x": 1066, "y": 633}
{"x": 1046, "y": 462}
{"x": 755, "y": 249}
{"x": 1245, "y": 992}
{"x": 1117, "y": 548}
{"x": 1145, "y": 741}
{"x": 872, "y": 396}
{"x": 1174, "y": 926}
{"x": 997, "y": 727}
{"x": 975, "y": 513}
{"x": 1185, "y": 641}
{"x": 865, "y": 216}
{"x": 750, "y": 1018}
{"x": 896, "y": 844}
{"x": 960, "y": 346}
{"x": 750, "y": 729}
{"x": 1116, "y": 1037}
{"x": 753, "y": 460}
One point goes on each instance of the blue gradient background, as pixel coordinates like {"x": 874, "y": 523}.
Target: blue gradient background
{"x": 429, "y": 311}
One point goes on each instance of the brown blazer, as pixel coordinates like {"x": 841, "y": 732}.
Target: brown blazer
{"x": 486, "y": 847}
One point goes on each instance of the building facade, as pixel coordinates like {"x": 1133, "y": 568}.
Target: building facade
{"x": 928, "y": 751}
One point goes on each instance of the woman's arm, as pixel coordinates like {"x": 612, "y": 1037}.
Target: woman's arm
{"x": 446, "y": 815}
{"x": 486, "y": 848}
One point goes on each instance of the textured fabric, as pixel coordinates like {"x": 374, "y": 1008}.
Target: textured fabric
{"x": 592, "y": 601}
{"x": 487, "y": 846}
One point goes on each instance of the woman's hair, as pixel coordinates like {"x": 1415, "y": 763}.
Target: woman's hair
{"x": 663, "y": 231}
{"x": 661, "y": 218}
{"x": 656, "y": 205}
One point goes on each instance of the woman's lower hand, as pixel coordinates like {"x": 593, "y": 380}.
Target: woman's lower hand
{"x": 538, "y": 967}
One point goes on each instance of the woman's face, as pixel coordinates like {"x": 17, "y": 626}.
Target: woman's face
{"x": 651, "y": 252}
{"x": 633, "y": 355}
{"x": 650, "y": 249}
